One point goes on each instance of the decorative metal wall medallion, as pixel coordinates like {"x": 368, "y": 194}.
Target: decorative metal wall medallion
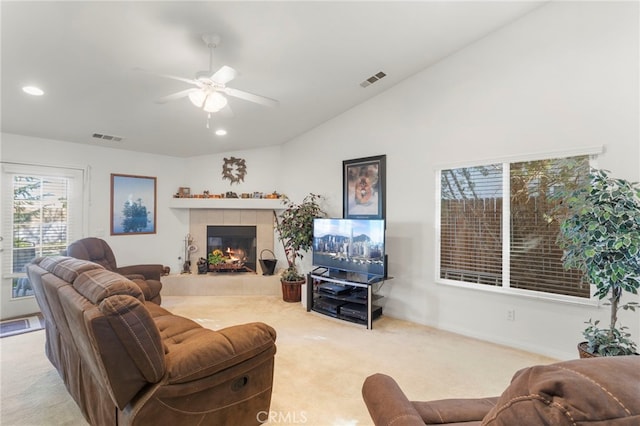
{"x": 234, "y": 169}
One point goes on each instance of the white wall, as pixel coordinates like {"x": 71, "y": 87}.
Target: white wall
{"x": 562, "y": 78}
{"x": 205, "y": 172}
{"x": 172, "y": 225}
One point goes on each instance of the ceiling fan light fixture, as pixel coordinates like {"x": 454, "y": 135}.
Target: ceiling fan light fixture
{"x": 209, "y": 101}
{"x": 215, "y": 102}
{"x": 197, "y": 98}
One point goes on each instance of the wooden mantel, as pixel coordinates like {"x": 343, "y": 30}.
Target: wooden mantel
{"x": 226, "y": 203}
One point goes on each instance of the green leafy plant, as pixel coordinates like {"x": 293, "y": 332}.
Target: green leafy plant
{"x": 608, "y": 342}
{"x": 291, "y": 274}
{"x": 216, "y": 257}
{"x": 295, "y": 230}
{"x": 600, "y": 236}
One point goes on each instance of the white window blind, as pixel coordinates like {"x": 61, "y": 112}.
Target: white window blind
{"x": 475, "y": 246}
{"x": 535, "y": 257}
{"x": 44, "y": 209}
{"x": 471, "y": 224}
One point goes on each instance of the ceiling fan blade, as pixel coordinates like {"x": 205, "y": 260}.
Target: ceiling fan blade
{"x": 250, "y": 97}
{"x": 224, "y": 75}
{"x": 177, "y": 95}
{"x": 186, "y": 80}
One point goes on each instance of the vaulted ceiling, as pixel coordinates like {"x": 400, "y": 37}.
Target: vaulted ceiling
{"x": 310, "y": 56}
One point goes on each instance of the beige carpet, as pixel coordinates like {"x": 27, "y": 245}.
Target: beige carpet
{"x": 320, "y": 365}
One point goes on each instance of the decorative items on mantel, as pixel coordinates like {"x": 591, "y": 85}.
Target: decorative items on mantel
{"x": 183, "y": 199}
{"x": 184, "y": 192}
{"x": 226, "y": 203}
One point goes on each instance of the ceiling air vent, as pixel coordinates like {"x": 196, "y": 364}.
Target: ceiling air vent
{"x": 107, "y": 137}
{"x": 372, "y": 79}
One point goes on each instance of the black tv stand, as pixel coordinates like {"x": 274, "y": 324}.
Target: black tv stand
{"x": 339, "y": 297}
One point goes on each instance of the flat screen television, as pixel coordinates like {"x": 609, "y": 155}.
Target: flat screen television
{"x": 350, "y": 245}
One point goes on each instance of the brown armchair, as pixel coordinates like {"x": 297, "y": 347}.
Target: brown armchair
{"x": 96, "y": 250}
{"x": 604, "y": 390}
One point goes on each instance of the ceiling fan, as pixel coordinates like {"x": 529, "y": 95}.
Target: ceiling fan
{"x": 211, "y": 87}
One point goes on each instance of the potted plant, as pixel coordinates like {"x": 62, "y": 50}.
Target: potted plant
{"x": 600, "y": 236}
{"x": 295, "y": 230}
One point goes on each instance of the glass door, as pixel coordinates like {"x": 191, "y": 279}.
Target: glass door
{"x": 41, "y": 213}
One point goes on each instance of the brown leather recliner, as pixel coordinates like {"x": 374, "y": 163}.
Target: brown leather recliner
{"x": 129, "y": 362}
{"x": 590, "y": 391}
{"x": 96, "y": 250}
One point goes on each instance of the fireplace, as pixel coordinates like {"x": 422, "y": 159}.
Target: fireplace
{"x": 237, "y": 244}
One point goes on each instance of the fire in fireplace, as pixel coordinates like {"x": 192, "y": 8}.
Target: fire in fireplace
{"x": 237, "y": 245}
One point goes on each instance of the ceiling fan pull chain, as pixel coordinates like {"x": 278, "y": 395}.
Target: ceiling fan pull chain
{"x": 208, "y": 118}
{"x": 211, "y": 59}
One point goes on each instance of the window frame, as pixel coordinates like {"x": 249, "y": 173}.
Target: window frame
{"x": 505, "y": 288}
{"x": 76, "y": 215}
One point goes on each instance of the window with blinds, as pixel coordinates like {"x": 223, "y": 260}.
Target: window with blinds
{"x": 471, "y": 224}
{"x": 45, "y": 208}
{"x": 475, "y": 245}
{"x": 40, "y": 217}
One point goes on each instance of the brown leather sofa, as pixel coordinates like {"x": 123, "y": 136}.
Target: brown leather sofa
{"x": 96, "y": 250}
{"x": 594, "y": 391}
{"x": 126, "y": 361}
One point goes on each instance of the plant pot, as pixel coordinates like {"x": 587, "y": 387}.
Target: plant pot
{"x": 292, "y": 290}
{"x": 583, "y": 352}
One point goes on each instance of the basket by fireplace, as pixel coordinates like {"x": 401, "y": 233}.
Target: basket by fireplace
{"x": 268, "y": 265}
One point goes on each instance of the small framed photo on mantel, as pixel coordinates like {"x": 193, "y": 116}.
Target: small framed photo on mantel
{"x": 364, "y": 188}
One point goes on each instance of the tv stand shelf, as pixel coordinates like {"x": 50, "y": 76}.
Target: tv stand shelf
{"x": 343, "y": 299}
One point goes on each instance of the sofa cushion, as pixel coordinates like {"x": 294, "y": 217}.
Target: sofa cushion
{"x": 595, "y": 391}
{"x": 66, "y": 268}
{"x": 198, "y": 352}
{"x": 98, "y": 284}
{"x": 135, "y": 327}
{"x": 48, "y": 262}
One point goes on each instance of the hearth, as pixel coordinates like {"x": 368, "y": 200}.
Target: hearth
{"x": 238, "y": 245}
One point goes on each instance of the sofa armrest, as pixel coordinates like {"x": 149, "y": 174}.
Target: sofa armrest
{"x": 203, "y": 352}
{"x": 446, "y": 411}
{"x": 387, "y": 404}
{"x": 150, "y": 271}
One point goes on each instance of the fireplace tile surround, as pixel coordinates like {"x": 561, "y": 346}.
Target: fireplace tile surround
{"x": 199, "y": 219}
{"x": 227, "y": 284}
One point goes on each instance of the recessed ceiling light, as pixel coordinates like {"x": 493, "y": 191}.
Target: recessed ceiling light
{"x": 32, "y": 90}
{"x": 221, "y": 132}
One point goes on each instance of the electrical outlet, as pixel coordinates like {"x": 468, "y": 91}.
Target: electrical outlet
{"x": 511, "y": 315}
